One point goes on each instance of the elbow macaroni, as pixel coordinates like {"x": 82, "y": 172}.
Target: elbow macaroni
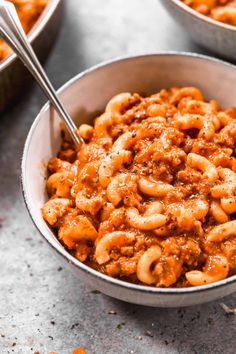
{"x": 217, "y": 268}
{"x": 204, "y": 125}
{"x": 151, "y": 195}
{"x": 204, "y": 165}
{"x": 112, "y": 163}
{"x": 144, "y": 272}
{"x": 148, "y": 222}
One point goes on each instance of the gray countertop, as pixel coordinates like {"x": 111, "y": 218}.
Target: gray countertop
{"x": 42, "y": 306}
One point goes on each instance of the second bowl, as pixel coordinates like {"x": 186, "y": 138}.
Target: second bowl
{"x": 216, "y": 36}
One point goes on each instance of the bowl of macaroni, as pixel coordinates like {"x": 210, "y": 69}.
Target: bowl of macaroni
{"x": 38, "y": 18}
{"x": 211, "y": 23}
{"x": 145, "y": 210}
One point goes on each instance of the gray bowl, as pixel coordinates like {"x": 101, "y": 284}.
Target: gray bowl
{"x": 13, "y": 75}
{"x": 87, "y": 94}
{"x": 220, "y": 38}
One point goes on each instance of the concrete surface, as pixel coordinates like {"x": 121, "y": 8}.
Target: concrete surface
{"x": 43, "y": 307}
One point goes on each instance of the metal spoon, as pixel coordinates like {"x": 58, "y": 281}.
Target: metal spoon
{"x": 13, "y": 33}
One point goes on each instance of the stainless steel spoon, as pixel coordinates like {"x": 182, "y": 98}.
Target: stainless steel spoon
{"x": 12, "y": 32}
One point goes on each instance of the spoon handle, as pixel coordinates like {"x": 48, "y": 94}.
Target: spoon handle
{"x": 13, "y": 33}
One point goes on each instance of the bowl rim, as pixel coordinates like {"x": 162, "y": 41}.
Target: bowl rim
{"x": 47, "y": 236}
{"x": 201, "y": 17}
{"x": 35, "y": 31}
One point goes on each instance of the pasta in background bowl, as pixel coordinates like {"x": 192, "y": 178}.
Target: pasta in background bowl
{"x": 146, "y": 75}
{"x": 10, "y": 65}
{"x": 28, "y": 12}
{"x": 219, "y": 10}
{"x": 213, "y": 29}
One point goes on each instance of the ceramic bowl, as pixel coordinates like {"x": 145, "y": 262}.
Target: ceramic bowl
{"x": 13, "y": 75}
{"x": 219, "y": 37}
{"x": 85, "y": 96}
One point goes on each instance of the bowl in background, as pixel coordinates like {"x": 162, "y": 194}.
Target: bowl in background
{"x": 85, "y": 96}
{"x": 216, "y": 36}
{"x": 13, "y": 75}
